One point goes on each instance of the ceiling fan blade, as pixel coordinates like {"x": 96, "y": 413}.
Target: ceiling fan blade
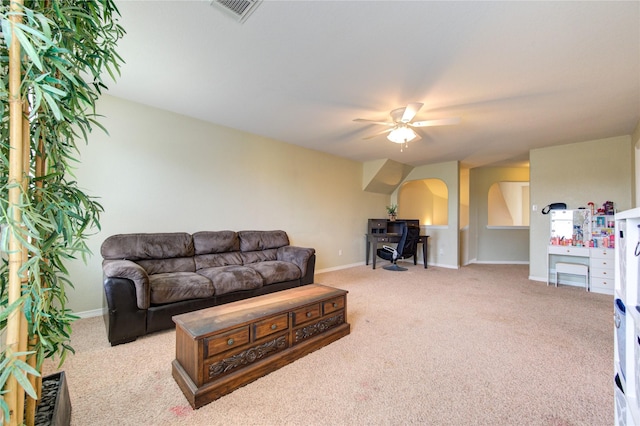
{"x": 410, "y": 111}
{"x": 364, "y": 120}
{"x": 420, "y": 134}
{"x": 378, "y": 134}
{"x": 438, "y": 122}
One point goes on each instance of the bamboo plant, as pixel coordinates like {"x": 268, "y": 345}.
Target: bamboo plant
{"x": 54, "y": 55}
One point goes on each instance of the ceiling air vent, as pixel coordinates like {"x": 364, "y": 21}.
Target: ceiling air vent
{"x": 237, "y": 9}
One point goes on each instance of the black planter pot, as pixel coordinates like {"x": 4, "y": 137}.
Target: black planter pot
{"x": 54, "y": 408}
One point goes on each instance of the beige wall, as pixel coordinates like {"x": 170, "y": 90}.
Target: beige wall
{"x": 487, "y": 245}
{"x": 163, "y": 172}
{"x": 443, "y": 241}
{"x": 426, "y": 200}
{"x": 576, "y": 174}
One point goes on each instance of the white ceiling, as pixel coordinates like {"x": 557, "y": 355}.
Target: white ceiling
{"x": 521, "y": 75}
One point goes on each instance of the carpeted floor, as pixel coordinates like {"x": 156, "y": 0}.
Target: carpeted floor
{"x": 482, "y": 345}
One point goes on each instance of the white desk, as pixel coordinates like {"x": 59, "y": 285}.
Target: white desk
{"x": 599, "y": 260}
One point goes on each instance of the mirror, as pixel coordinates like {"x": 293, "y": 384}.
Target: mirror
{"x": 569, "y": 225}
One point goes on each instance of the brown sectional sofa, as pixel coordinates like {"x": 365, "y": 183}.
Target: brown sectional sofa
{"x": 149, "y": 278}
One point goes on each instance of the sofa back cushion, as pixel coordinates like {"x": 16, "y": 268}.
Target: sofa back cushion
{"x": 216, "y": 248}
{"x": 208, "y": 242}
{"x": 262, "y": 240}
{"x": 156, "y": 253}
{"x": 249, "y": 257}
{"x": 163, "y": 266}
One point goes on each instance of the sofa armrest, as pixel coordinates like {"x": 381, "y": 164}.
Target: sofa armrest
{"x": 134, "y": 272}
{"x": 123, "y": 320}
{"x": 299, "y": 256}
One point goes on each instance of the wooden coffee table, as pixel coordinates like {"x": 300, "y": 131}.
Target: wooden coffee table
{"x": 222, "y": 348}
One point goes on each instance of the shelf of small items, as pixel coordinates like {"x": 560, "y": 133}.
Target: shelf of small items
{"x": 602, "y": 230}
{"x": 602, "y": 243}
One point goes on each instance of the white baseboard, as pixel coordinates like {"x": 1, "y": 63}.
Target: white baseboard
{"x": 337, "y": 268}
{"x": 441, "y": 265}
{"x": 91, "y": 314}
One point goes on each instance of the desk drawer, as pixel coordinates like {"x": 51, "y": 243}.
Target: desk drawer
{"x": 603, "y": 253}
{"x": 378, "y": 224}
{"x": 606, "y": 273}
{"x": 569, "y": 251}
{"x": 606, "y": 284}
{"x": 602, "y": 263}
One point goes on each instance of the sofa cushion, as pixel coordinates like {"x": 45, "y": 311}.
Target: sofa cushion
{"x": 262, "y": 240}
{"x": 275, "y": 271}
{"x": 226, "y": 279}
{"x": 162, "y": 266}
{"x": 177, "y": 286}
{"x": 218, "y": 259}
{"x": 206, "y": 242}
{"x": 258, "y": 256}
{"x": 147, "y": 246}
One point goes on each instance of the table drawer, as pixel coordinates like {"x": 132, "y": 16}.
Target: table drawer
{"x": 306, "y": 314}
{"x": 569, "y": 250}
{"x": 603, "y": 283}
{"x": 332, "y": 305}
{"x": 229, "y": 362}
{"x": 232, "y": 339}
{"x": 271, "y": 325}
{"x": 603, "y": 263}
{"x": 606, "y": 273}
{"x": 603, "y": 253}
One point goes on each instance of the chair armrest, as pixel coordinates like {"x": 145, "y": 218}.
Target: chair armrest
{"x": 299, "y": 256}
{"x": 134, "y": 272}
{"x": 392, "y": 250}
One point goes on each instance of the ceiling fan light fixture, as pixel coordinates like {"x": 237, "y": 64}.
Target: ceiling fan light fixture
{"x": 402, "y": 134}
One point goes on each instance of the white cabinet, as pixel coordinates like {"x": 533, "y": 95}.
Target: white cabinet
{"x": 578, "y": 238}
{"x": 627, "y": 318}
{"x": 601, "y": 269}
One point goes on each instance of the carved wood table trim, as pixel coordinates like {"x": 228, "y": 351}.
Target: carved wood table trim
{"x": 222, "y": 348}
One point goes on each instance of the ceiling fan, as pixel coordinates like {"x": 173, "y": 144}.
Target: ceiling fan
{"x": 401, "y": 129}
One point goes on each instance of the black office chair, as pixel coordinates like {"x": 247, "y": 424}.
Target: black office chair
{"x": 406, "y": 248}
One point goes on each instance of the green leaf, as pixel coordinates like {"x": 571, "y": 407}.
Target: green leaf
{"x": 54, "y": 90}
{"x": 53, "y": 105}
{"x": 67, "y": 48}
{"x": 28, "y": 48}
{"x": 6, "y": 31}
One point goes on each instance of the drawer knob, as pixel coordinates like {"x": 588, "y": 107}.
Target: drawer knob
{"x": 309, "y": 314}
{"x": 230, "y": 342}
{"x": 274, "y": 326}
{"x": 335, "y": 305}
